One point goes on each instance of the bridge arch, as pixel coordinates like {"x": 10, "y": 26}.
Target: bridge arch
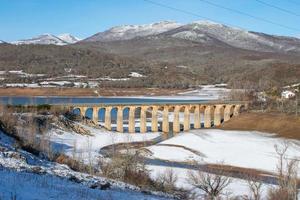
{"x": 125, "y": 118}
{"x": 101, "y": 114}
{"x": 76, "y": 111}
{"x": 113, "y": 113}
{"x": 149, "y": 115}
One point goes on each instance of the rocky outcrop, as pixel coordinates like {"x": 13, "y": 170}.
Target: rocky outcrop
{"x": 69, "y": 125}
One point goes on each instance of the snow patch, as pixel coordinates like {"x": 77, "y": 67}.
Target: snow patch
{"x": 127, "y": 32}
{"x": 48, "y": 39}
{"x": 136, "y": 75}
{"x": 70, "y": 39}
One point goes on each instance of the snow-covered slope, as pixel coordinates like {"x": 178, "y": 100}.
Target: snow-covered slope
{"x": 25, "y": 176}
{"x": 47, "y": 39}
{"x": 70, "y": 39}
{"x": 42, "y": 39}
{"x": 127, "y": 32}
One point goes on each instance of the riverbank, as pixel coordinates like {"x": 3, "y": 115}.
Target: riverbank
{"x": 287, "y": 126}
{"x": 85, "y": 92}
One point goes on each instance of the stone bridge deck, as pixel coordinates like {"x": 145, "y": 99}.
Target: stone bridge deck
{"x": 213, "y": 113}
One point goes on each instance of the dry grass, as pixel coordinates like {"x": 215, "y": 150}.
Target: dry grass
{"x": 284, "y": 125}
{"x": 46, "y": 92}
{"x": 86, "y": 91}
{"x": 237, "y": 171}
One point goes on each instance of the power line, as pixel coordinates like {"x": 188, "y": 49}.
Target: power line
{"x": 294, "y": 2}
{"x": 207, "y": 18}
{"x": 278, "y": 8}
{"x": 189, "y": 13}
{"x": 249, "y": 15}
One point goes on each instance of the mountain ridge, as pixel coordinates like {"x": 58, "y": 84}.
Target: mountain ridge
{"x": 126, "y": 32}
{"x": 47, "y": 39}
{"x": 202, "y": 31}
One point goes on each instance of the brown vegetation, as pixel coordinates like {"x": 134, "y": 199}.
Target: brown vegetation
{"x": 46, "y": 92}
{"x": 166, "y": 62}
{"x": 282, "y": 124}
{"x": 287, "y": 170}
{"x": 86, "y": 91}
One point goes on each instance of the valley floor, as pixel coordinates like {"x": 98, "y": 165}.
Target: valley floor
{"x": 282, "y": 124}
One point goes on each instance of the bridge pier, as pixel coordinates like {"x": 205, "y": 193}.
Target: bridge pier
{"x": 236, "y": 110}
{"x": 82, "y": 111}
{"x": 218, "y": 115}
{"x": 154, "y": 123}
{"x": 227, "y": 112}
{"x": 186, "y": 124}
{"x": 143, "y": 120}
{"x": 131, "y": 120}
{"x": 120, "y": 119}
{"x": 95, "y": 115}
{"x": 207, "y": 116}
{"x": 107, "y": 122}
{"x": 176, "y": 123}
{"x": 197, "y": 120}
{"x": 165, "y": 123}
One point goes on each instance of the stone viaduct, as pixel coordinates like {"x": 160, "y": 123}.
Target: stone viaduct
{"x": 212, "y": 114}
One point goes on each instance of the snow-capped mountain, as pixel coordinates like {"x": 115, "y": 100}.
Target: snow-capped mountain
{"x": 203, "y": 32}
{"x": 2, "y": 42}
{"x": 127, "y": 32}
{"x": 70, "y": 39}
{"x": 47, "y": 39}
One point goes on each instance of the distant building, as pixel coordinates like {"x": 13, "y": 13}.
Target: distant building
{"x": 262, "y": 96}
{"x": 287, "y": 94}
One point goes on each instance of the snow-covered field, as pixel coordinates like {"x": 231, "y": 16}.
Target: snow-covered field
{"x": 87, "y": 147}
{"x": 247, "y": 149}
{"x": 206, "y": 92}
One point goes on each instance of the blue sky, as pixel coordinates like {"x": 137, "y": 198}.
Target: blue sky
{"x": 21, "y": 19}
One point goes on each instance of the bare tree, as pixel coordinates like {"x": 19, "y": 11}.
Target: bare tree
{"x": 296, "y": 102}
{"x": 211, "y": 184}
{"x": 167, "y": 180}
{"x": 287, "y": 176}
{"x": 255, "y": 187}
